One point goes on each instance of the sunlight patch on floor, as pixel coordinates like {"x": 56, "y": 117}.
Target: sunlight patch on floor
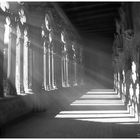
{"x": 103, "y": 92}
{"x": 94, "y": 111}
{"x": 111, "y": 120}
{"x": 93, "y": 115}
{"x": 100, "y": 102}
{"x": 107, "y": 99}
{"x": 99, "y": 96}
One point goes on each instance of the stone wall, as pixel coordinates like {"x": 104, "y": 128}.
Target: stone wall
{"x": 41, "y": 52}
{"x": 126, "y": 56}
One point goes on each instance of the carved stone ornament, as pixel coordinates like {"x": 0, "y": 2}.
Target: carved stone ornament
{"x": 63, "y": 37}
{"x": 7, "y": 30}
{"x": 134, "y": 76}
{"x": 47, "y": 22}
{"x": 22, "y": 16}
{"x": 129, "y": 34}
{"x": 4, "y": 5}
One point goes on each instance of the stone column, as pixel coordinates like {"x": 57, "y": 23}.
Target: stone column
{"x": 5, "y": 69}
{"x": 30, "y": 68}
{"x": 19, "y": 61}
{"x": 66, "y": 67}
{"x": 17, "y": 81}
{"x": 46, "y": 62}
{"x": 2, "y": 72}
{"x": 44, "y": 59}
{"x": 45, "y": 66}
{"x": 49, "y": 66}
{"x": 74, "y": 65}
{"x": 52, "y": 53}
{"x": 63, "y": 67}
{"x": 6, "y": 59}
{"x": 26, "y": 62}
{"x": 12, "y": 59}
{"x": 9, "y": 58}
{"x": 52, "y": 66}
{"x": 64, "y": 61}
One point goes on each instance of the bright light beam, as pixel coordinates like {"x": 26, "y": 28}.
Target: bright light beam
{"x": 94, "y": 112}
{"x": 98, "y": 102}
{"x": 99, "y": 96}
{"x": 93, "y": 116}
{"x": 99, "y": 92}
{"x": 112, "y": 120}
{"x": 102, "y": 90}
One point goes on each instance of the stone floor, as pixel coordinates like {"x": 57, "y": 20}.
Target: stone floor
{"x": 77, "y": 113}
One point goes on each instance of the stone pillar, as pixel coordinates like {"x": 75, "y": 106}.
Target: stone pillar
{"x": 66, "y": 69}
{"x": 17, "y": 81}
{"x": 44, "y": 43}
{"x": 6, "y": 67}
{"x": 19, "y": 61}
{"x": 49, "y": 67}
{"x": 9, "y": 57}
{"x": 44, "y": 66}
{"x": 53, "y": 86}
{"x": 2, "y": 72}
{"x": 5, "y": 70}
{"x": 62, "y": 69}
{"x": 64, "y": 61}
{"x": 12, "y": 48}
{"x": 74, "y": 65}
{"x": 30, "y": 68}
{"x": 26, "y": 62}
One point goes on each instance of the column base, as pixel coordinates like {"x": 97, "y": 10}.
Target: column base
{"x": 29, "y": 91}
{"x": 22, "y": 90}
{"x": 63, "y": 84}
{"x": 68, "y": 85}
{"x": 48, "y": 88}
{"x": 53, "y": 87}
{"x": 132, "y": 111}
{"x": 75, "y": 84}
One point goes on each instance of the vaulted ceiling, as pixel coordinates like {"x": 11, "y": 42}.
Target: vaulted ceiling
{"x": 92, "y": 17}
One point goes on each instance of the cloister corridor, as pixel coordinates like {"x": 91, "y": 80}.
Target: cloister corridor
{"x": 78, "y": 113}
{"x": 69, "y": 69}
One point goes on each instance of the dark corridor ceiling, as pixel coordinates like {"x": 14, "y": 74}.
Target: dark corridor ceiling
{"x": 91, "y": 18}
